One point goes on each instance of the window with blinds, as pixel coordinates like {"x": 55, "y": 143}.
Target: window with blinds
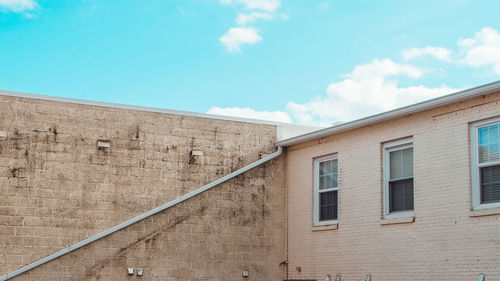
{"x": 325, "y": 190}
{"x": 488, "y": 143}
{"x": 398, "y": 178}
{"x": 401, "y": 180}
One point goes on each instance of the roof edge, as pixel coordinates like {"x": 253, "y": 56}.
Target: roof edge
{"x": 140, "y": 108}
{"x": 395, "y": 113}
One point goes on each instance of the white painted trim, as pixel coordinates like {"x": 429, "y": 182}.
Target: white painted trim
{"x": 397, "y": 220}
{"x": 326, "y": 223}
{"x": 487, "y": 206}
{"x": 316, "y": 221}
{"x": 403, "y": 214}
{"x": 474, "y": 153}
{"x": 485, "y": 212}
{"x": 316, "y": 228}
{"x": 387, "y": 148}
{"x": 141, "y": 217}
{"x": 397, "y": 145}
{"x": 399, "y": 112}
{"x": 494, "y": 163}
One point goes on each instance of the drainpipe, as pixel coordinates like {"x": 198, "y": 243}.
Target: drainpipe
{"x": 141, "y": 217}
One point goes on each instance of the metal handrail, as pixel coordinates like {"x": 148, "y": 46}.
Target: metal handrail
{"x": 141, "y": 217}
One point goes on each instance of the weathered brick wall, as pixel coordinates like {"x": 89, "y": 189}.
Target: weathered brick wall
{"x": 446, "y": 242}
{"x": 57, "y": 188}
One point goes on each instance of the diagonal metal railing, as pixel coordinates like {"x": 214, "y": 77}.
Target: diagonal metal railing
{"x": 141, "y": 217}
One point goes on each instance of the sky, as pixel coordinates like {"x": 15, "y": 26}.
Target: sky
{"x": 312, "y": 62}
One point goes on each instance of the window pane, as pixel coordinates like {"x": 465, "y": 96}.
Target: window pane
{"x": 325, "y": 167}
{"x": 489, "y": 143}
{"x": 328, "y": 182}
{"x": 490, "y": 184}
{"x": 407, "y": 162}
{"x": 328, "y": 205}
{"x": 328, "y": 174}
{"x": 396, "y": 164}
{"x": 494, "y": 143}
{"x": 401, "y": 195}
{"x": 401, "y": 163}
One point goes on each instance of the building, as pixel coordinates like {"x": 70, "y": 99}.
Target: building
{"x": 409, "y": 194}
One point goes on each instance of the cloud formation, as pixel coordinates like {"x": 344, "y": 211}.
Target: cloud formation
{"x": 376, "y": 87}
{"x": 266, "y": 5}
{"x": 483, "y": 50}
{"x": 439, "y": 53}
{"x": 237, "y": 36}
{"x": 243, "y": 19}
{"x": 369, "y": 89}
{"x": 18, "y": 6}
{"x": 279, "y": 116}
{"x": 324, "y": 5}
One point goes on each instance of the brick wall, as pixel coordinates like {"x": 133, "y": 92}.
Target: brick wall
{"x": 57, "y": 188}
{"x": 446, "y": 241}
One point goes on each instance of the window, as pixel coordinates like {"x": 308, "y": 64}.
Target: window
{"x": 325, "y": 190}
{"x": 485, "y": 156}
{"x": 398, "y": 179}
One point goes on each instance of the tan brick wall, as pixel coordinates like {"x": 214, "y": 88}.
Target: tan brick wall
{"x": 57, "y": 188}
{"x": 444, "y": 242}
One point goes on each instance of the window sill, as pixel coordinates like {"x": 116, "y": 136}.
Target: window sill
{"x": 485, "y": 212}
{"x": 325, "y": 227}
{"x": 389, "y": 221}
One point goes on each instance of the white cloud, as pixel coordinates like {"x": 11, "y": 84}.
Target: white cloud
{"x": 284, "y": 16}
{"x": 243, "y": 19}
{"x": 482, "y": 50}
{"x": 247, "y": 112}
{"x": 324, "y": 5}
{"x": 439, "y": 53}
{"x": 266, "y": 5}
{"x": 18, "y": 5}
{"x": 237, "y": 36}
{"x": 383, "y": 68}
{"x": 367, "y": 90}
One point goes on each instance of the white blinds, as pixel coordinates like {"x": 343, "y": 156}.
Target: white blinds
{"x": 489, "y": 143}
{"x": 490, "y": 184}
{"x": 401, "y": 162}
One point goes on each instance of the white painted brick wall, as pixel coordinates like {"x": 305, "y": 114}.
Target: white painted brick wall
{"x": 444, "y": 242}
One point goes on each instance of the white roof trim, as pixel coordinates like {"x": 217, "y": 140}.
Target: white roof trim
{"x": 399, "y": 112}
{"x": 140, "y": 108}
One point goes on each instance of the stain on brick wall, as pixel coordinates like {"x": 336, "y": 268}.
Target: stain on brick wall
{"x": 70, "y": 171}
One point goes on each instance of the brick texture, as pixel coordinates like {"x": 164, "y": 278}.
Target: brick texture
{"x": 58, "y": 188}
{"x": 444, "y": 243}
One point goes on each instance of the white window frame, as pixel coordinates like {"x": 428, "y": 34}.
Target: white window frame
{"x": 317, "y": 222}
{"x": 388, "y": 148}
{"x": 475, "y": 166}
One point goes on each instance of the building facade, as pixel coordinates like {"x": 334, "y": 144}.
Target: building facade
{"x": 70, "y": 170}
{"x": 409, "y": 194}
{"x": 414, "y": 197}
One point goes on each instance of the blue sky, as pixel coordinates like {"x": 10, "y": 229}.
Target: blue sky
{"x": 301, "y": 61}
